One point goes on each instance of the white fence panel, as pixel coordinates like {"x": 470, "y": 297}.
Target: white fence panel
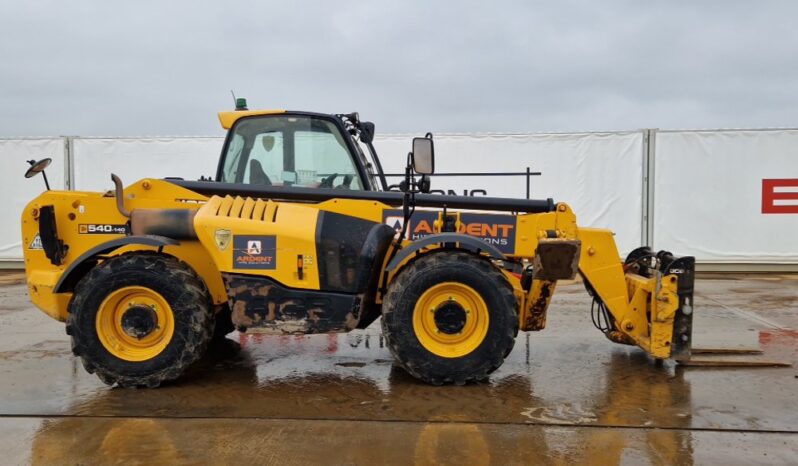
{"x": 712, "y": 197}
{"x": 600, "y": 175}
{"x": 94, "y": 159}
{"x": 17, "y": 191}
{"x": 711, "y": 200}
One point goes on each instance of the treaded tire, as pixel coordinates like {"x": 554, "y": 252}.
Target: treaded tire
{"x": 430, "y": 270}
{"x": 177, "y": 283}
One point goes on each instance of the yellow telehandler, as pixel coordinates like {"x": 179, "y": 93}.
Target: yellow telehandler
{"x": 299, "y": 232}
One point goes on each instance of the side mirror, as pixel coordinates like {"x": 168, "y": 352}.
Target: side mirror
{"x": 423, "y": 156}
{"x": 366, "y": 132}
{"x": 37, "y": 167}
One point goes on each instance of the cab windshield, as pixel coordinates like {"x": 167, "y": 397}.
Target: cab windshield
{"x": 295, "y": 150}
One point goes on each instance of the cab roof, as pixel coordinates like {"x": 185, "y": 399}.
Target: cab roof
{"x": 228, "y": 119}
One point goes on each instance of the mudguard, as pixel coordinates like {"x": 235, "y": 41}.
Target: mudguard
{"x": 464, "y": 241}
{"x": 88, "y": 259}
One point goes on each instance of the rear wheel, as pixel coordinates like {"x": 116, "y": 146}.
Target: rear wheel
{"x": 450, "y": 317}
{"x": 140, "y": 319}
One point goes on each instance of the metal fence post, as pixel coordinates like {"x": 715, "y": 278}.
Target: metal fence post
{"x": 69, "y": 162}
{"x": 649, "y": 151}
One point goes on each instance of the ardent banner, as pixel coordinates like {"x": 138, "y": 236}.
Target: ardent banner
{"x": 497, "y": 230}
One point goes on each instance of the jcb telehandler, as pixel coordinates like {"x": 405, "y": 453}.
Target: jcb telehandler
{"x": 300, "y": 233}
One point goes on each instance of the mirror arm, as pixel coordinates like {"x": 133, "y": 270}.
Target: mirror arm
{"x": 46, "y": 183}
{"x": 409, "y": 171}
{"x": 408, "y": 200}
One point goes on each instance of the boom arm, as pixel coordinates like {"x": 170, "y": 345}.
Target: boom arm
{"x": 645, "y": 301}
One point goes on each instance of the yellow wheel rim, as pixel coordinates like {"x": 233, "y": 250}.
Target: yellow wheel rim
{"x": 135, "y": 323}
{"x": 450, "y": 320}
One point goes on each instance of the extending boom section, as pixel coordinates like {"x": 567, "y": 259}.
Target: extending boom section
{"x": 646, "y": 300}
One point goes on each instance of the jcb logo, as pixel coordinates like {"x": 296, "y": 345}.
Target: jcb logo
{"x": 780, "y": 196}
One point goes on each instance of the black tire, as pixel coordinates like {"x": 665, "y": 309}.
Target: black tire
{"x": 448, "y": 266}
{"x": 185, "y": 293}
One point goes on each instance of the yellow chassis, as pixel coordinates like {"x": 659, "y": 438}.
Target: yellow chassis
{"x": 643, "y": 308}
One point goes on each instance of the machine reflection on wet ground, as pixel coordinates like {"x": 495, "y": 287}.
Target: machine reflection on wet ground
{"x": 565, "y": 396}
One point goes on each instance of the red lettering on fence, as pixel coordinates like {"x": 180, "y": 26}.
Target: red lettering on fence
{"x": 770, "y": 196}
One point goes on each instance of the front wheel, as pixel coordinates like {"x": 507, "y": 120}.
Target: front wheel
{"x": 450, "y": 317}
{"x": 140, "y": 319}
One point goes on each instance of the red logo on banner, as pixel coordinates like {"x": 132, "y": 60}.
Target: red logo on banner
{"x": 780, "y": 196}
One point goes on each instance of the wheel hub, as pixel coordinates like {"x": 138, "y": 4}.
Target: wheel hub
{"x": 135, "y": 323}
{"x": 450, "y": 318}
{"x": 139, "y": 321}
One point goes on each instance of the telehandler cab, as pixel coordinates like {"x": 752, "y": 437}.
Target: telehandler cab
{"x": 300, "y": 233}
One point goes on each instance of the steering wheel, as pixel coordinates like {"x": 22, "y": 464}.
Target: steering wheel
{"x": 327, "y": 182}
{"x": 345, "y": 184}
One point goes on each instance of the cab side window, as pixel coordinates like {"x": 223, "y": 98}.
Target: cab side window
{"x": 304, "y": 151}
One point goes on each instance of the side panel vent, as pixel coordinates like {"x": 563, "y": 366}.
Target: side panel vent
{"x": 247, "y": 208}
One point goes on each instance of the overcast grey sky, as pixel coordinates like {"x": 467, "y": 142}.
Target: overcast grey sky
{"x": 165, "y": 68}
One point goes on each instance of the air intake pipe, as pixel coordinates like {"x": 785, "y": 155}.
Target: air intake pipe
{"x": 172, "y": 223}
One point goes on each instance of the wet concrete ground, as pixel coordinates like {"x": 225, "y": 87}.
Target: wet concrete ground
{"x": 565, "y": 395}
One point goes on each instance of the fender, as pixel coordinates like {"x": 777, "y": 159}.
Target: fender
{"x": 465, "y": 242}
{"x": 88, "y": 259}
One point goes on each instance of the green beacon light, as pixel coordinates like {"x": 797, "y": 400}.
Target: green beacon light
{"x": 241, "y": 104}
